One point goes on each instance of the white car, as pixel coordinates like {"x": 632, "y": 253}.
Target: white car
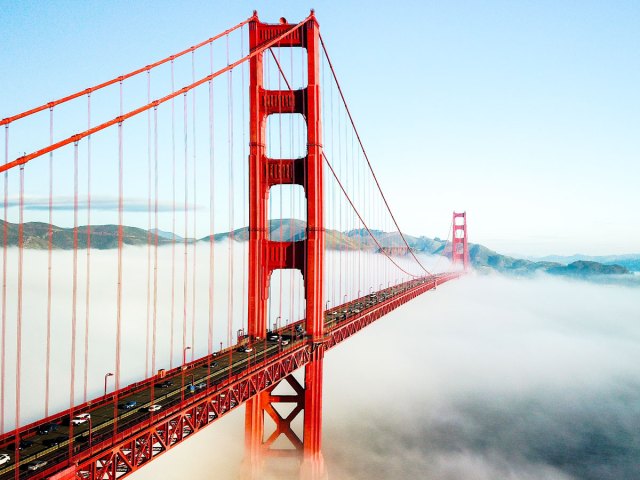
{"x": 154, "y": 408}
{"x": 36, "y": 465}
{"x": 81, "y": 418}
{"x": 4, "y": 458}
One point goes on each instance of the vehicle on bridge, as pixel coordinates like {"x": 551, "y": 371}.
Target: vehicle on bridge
{"x": 128, "y": 405}
{"x": 47, "y": 428}
{"x": 36, "y": 465}
{"x": 81, "y": 418}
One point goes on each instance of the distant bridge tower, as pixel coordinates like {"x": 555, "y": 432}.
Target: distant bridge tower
{"x": 459, "y": 247}
{"x": 306, "y": 255}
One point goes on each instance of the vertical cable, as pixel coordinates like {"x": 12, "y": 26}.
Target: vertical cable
{"x": 231, "y": 193}
{"x": 281, "y": 227}
{"x": 74, "y": 295}
{"x": 185, "y": 280}
{"x": 88, "y": 272}
{"x": 5, "y": 239}
{"x": 244, "y": 184}
{"x": 173, "y": 216}
{"x": 193, "y": 207}
{"x": 49, "y": 265}
{"x": 211, "y": 208}
{"x": 155, "y": 241}
{"x": 119, "y": 280}
{"x": 19, "y": 320}
{"x": 148, "y": 328}
{"x": 292, "y": 202}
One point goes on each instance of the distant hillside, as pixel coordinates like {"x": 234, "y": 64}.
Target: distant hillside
{"x": 103, "y": 237}
{"x": 630, "y": 261}
{"x": 482, "y": 258}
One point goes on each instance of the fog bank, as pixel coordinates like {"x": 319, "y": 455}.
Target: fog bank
{"x": 484, "y": 378}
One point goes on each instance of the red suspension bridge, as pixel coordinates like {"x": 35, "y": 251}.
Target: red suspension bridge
{"x": 127, "y": 333}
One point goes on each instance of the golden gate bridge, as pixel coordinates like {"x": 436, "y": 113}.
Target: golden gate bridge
{"x": 263, "y": 122}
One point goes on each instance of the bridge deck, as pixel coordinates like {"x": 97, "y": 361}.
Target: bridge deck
{"x": 197, "y": 394}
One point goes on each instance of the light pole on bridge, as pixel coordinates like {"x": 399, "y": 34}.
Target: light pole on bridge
{"x": 184, "y": 356}
{"x": 106, "y": 376}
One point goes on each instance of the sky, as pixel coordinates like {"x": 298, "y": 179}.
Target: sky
{"x": 524, "y": 114}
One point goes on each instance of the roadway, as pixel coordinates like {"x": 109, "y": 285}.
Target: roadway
{"x": 110, "y": 416}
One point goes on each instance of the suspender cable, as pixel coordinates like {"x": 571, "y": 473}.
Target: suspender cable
{"x": 49, "y": 279}
{"x": 74, "y": 296}
{"x": 294, "y": 210}
{"x": 119, "y": 280}
{"x": 185, "y": 280}
{"x": 211, "y": 210}
{"x": 5, "y": 240}
{"x": 148, "y": 328}
{"x": 281, "y": 226}
{"x": 88, "y": 272}
{"x": 173, "y": 218}
{"x": 19, "y": 321}
{"x": 231, "y": 192}
{"x": 244, "y": 184}
{"x": 155, "y": 241}
{"x": 193, "y": 207}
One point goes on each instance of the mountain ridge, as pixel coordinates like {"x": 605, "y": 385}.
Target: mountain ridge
{"x": 103, "y": 237}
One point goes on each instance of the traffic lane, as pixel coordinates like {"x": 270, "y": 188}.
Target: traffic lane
{"x": 262, "y": 351}
{"x": 102, "y": 416}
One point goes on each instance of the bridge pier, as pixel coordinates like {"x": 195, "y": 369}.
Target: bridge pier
{"x": 266, "y": 255}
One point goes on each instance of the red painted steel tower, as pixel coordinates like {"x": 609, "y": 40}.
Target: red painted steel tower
{"x": 266, "y": 255}
{"x": 459, "y": 247}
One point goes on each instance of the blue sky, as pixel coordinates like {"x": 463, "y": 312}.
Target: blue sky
{"x": 526, "y": 114}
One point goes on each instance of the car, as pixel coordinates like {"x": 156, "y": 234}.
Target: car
{"x": 210, "y": 365}
{"x": 4, "y": 458}
{"x": 53, "y": 442}
{"x": 245, "y": 349}
{"x": 81, "y": 418}
{"x": 284, "y": 341}
{"x": 154, "y": 408}
{"x": 21, "y": 446}
{"x": 273, "y": 337}
{"x": 165, "y": 384}
{"x": 128, "y": 405}
{"x": 201, "y": 386}
{"x": 47, "y": 428}
{"x": 36, "y": 465}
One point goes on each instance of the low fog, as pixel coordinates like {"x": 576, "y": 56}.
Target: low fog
{"x": 348, "y": 275}
{"x": 484, "y": 378}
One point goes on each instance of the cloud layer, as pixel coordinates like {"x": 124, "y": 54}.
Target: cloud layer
{"x": 485, "y": 378}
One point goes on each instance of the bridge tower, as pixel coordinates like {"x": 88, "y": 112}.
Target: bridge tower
{"x": 266, "y": 255}
{"x": 459, "y": 247}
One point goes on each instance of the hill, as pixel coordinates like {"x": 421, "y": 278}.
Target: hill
{"x": 482, "y": 258}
